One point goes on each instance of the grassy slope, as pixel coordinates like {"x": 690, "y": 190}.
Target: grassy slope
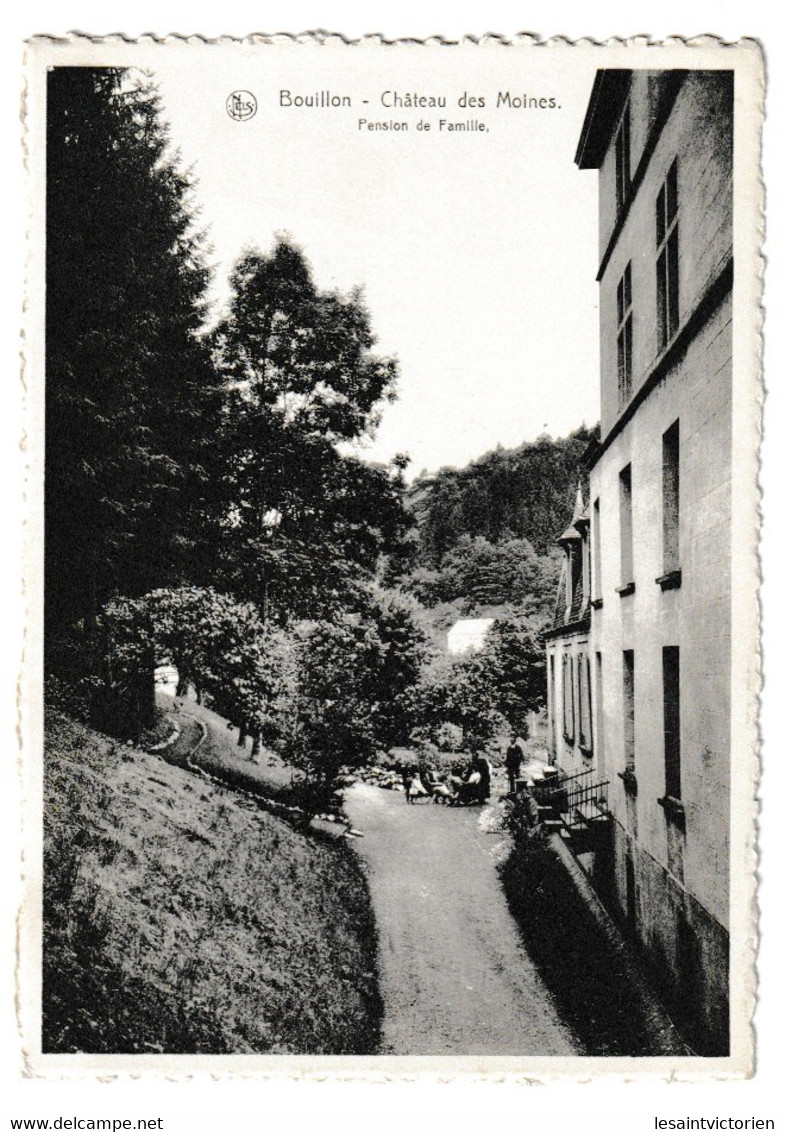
{"x": 178, "y": 918}
{"x": 220, "y": 750}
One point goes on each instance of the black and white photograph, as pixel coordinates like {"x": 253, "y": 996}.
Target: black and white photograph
{"x": 391, "y": 686}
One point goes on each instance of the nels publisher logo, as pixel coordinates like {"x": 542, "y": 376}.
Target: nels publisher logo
{"x": 241, "y": 105}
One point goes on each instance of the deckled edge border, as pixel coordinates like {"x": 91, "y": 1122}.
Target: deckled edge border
{"x": 405, "y": 1069}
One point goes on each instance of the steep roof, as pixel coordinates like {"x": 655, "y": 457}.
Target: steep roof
{"x": 572, "y": 538}
{"x": 605, "y": 104}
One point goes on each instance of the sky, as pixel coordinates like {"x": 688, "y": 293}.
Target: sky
{"x": 476, "y": 250}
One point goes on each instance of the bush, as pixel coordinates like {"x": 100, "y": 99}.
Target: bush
{"x": 449, "y": 737}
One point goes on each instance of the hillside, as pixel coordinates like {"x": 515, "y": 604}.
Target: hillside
{"x": 484, "y": 543}
{"x": 525, "y": 492}
{"x": 181, "y": 919}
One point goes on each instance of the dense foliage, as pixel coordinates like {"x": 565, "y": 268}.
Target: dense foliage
{"x": 354, "y": 677}
{"x": 476, "y": 574}
{"x": 196, "y": 484}
{"x": 519, "y": 493}
{"x": 302, "y": 520}
{"x": 130, "y": 401}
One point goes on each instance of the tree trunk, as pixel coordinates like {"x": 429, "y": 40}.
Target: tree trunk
{"x": 256, "y": 745}
{"x": 241, "y": 736}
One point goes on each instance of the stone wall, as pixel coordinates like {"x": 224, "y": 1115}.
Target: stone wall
{"x": 686, "y": 948}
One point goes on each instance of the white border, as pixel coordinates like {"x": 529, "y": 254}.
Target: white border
{"x": 605, "y": 1103}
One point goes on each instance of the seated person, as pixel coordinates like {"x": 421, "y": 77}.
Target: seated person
{"x": 430, "y": 779}
{"x": 484, "y": 768}
{"x": 469, "y": 787}
{"x": 414, "y": 787}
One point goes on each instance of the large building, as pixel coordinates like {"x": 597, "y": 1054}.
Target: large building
{"x": 651, "y": 646}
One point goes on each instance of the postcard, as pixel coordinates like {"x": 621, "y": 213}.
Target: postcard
{"x": 389, "y": 701}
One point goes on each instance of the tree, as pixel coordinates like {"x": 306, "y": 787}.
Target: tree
{"x": 406, "y": 648}
{"x": 301, "y": 380}
{"x": 217, "y": 644}
{"x": 353, "y": 677}
{"x": 130, "y": 400}
{"x": 455, "y": 690}
{"x": 332, "y": 717}
{"x": 513, "y": 661}
{"x": 482, "y": 574}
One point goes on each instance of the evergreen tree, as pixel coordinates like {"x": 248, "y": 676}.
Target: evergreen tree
{"x": 129, "y": 406}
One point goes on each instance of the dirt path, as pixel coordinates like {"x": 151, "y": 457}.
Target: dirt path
{"x": 454, "y": 975}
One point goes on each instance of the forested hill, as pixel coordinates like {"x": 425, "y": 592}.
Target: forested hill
{"x": 524, "y": 493}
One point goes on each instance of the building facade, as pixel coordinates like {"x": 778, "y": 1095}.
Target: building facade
{"x": 568, "y": 664}
{"x": 659, "y": 511}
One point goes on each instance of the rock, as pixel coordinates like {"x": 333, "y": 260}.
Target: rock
{"x": 328, "y": 829}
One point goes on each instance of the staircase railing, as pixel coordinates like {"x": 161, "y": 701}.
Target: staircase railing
{"x": 556, "y": 790}
{"x": 582, "y": 796}
{"x": 566, "y": 796}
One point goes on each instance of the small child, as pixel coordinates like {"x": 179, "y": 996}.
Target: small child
{"x": 414, "y": 787}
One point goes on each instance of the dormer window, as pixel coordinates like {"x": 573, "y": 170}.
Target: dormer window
{"x": 575, "y": 554}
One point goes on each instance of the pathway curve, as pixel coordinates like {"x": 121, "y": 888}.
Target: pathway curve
{"x": 455, "y": 977}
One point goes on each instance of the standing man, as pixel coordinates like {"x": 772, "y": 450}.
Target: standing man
{"x": 512, "y": 761}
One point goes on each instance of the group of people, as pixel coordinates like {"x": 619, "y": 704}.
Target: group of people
{"x": 465, "y": 785}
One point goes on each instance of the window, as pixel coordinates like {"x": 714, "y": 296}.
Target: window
{"x": 575, "y": 577}
{"x": 628, "y": 701}
{"x": 624, "y": 336}
{"x": 595, "y": 530}
{"x": 623, "y": 159}
{"x": 670, "y": 499}
{"x": 567, "y": 699}
{"x": 552, "y": 702}
{"x": 671, "y": 709}
{"x": 668, "y": 258}
{"x": 584, "y": 704}
{"x": 600, "y": 717}
{"x": 625, "y": 530}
